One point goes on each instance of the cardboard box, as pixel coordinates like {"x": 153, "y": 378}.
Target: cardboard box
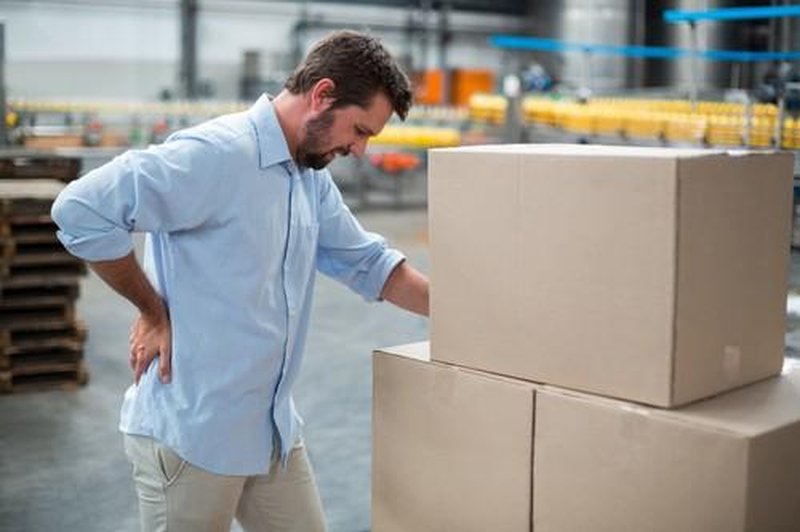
{"x": 456, "y": 449}
{"x": 649, "y": 274}
{"x": 727, "y": 464}
{"x": 451, "y": 447}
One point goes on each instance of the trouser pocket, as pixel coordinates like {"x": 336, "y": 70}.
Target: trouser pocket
{"x": 169, "y": 463}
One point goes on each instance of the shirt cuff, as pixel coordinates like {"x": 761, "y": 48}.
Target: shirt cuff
{"x": 390, "y": 260}
{"x": 112, "y": 245}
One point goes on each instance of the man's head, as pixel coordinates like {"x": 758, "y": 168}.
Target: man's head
{"x": 353, "y": 85}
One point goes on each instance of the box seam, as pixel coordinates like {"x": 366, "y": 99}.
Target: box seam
{"x": 533, "y": 459}
{"x": 673, "y": 348}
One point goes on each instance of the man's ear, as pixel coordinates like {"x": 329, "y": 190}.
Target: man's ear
{"x": 321, "y": 94}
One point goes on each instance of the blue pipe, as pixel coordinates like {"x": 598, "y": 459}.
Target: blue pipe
{"x": 731, "y": 13}
{"x": 513, "y": 42}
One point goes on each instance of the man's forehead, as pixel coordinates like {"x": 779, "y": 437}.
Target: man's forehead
{"x": 377, "y": 112}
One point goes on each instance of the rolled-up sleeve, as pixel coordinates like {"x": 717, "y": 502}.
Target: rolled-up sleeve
{"x": 346, "y": 252}
{"x": 165, "y": 188}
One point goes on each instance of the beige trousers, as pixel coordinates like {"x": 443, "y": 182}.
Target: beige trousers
{"x": 176, "y": 496}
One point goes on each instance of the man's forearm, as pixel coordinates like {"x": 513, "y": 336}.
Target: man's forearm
{"x": 407, "y": 288}
{"x": 126, "y": 277}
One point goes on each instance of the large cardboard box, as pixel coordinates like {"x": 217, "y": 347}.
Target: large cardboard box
{"x": 649, "y": 274}
{"x": 727, "y": 464}
{"x": 451, "y": 447}
{"x": 456, "y": 449}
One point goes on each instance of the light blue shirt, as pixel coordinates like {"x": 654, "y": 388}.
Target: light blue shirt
{"x": 235, "y": 232}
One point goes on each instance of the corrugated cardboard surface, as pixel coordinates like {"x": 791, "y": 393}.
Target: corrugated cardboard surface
{"x": 728, "y": 464}
{"x": 567, "y": 265}
{"x": 452, "y": 448}
{"x": 734, "y": 226}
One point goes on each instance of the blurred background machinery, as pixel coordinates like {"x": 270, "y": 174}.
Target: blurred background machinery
{"x": 586, "y": 71}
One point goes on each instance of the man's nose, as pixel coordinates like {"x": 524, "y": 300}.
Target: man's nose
{"x": 358, "y": 148}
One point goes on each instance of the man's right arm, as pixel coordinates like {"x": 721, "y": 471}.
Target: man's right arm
{"x": 150, "y": 334}
{"x": 165, "y": 188}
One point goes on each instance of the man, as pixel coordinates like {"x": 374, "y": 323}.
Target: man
{"x": 239, "y": 213}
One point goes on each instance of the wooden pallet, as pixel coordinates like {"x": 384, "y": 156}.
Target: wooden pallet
{"x": 19, "y": 349}
{"x": 32, "y": 352}
{"x": 30, "y": 226}
{"x": 25, "y": 262}
{"x": 29, "y": 246}
{"x": 70, "y": 268}
{"x": 30, "y": 235}
{"x": 43, "y": 280}
{"x": 41, "y": 334}
{"x": 31, "y": 359}
{"x": 36, "y": 244}
{"x": 35, "y": 295}
{"x": 45, "y": 376}
{"x": 10, "y": 206}
{"x": 51, "y": 314}
{"x": 27, "y": 196}
{"x": 33, "y": 164}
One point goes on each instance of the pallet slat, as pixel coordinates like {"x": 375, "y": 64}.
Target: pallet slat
{"x": 35, "y": 165}
{"x": 43, "y": 259}
{"x": 66, "y": 377}
{"x": 33, "y": 296}
{"x": 72, "y": 268}
{"x": 44, "y": 360}
{"x": 42, "y": 317}
{"x": 41, "y": 336}
{"x": 34, "y": 280}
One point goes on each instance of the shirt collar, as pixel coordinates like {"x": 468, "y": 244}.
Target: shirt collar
{"x": 272, "y": 147}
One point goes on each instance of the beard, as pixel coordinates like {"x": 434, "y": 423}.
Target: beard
{"x": 310, "y": 152}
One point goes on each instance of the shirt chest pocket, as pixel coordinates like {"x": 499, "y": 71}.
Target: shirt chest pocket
{"x": 301, "y": 252}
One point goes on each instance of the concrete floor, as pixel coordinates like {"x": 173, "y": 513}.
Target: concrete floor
{"x": 61, "y": 460}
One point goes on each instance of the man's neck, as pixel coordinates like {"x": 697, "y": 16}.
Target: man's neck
{"x": 290, "y": 109}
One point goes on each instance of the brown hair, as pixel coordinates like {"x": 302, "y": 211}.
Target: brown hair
{"x": 359, "y": 66}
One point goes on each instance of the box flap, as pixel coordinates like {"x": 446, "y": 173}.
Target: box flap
{"x": 584, "y": 150}
{"x": 749, "y": 411}
{"x": 417, "y": 350}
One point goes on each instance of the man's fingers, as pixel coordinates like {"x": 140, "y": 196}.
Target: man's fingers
{"x": 143, "y": 359}
{"x": 138, "y": 365}
{"x": 165, "y": 364}
{"x": 147, "y": 341}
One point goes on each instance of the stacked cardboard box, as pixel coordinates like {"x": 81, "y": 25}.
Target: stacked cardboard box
{"x": 606, "y": 330}
{"x": 41, "y": 340}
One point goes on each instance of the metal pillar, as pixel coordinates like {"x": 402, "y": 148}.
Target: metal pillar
{"x": 189, "y": 48}
{"x": 694, "y": 64}
{"x": 426, "y": 7}
{"x": 444, "y": 41}
{"x": 3, "y": 132}
{"x": 635, "y": 66}
{"x": 409, "y": 33}
{"x": 512, "y": 89}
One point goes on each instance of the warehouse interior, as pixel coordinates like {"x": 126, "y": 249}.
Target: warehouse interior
{"x": 83, "y": 81}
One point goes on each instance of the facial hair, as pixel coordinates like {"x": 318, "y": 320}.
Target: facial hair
{"x": 310, "y": 152}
